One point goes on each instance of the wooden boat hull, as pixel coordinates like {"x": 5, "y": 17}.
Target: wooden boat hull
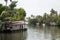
{"x": 11, "y": 31}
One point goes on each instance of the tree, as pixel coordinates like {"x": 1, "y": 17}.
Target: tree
{"x": 10, "y": 0}
{"x": 11, "y": 13}
{"x": 32, "y": 22}
{"x": 39, "y": 18}
{"x": 6, "y": 2}
{"x": 7, "y": 14}
{"x": 2, "y": 8}
{"x": 32, "y": 16}
{"x": 12, "y": 5}
{"x": 45, "y": 17}
{"x": 21, "y": 14}
{"x": 53, "y": 12}
{"x": 58, "y": 20}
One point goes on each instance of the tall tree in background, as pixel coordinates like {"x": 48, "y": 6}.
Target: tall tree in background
{"x": 44, "y": 17}
{"x": 53, "y": 12}
{"x": 10, "y": 0}
{"x": 12, "y": 5}
{"x": 39, "y": 18}
{"x": 6, "y": 2}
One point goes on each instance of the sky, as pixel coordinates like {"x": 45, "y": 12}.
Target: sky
{"x": 37, "y": 7}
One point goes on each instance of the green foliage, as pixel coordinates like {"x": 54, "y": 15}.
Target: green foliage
{"x": 39, "y": 18}
{"x": 12, "y": 5}
{"x": 58, "y": 20}
{"x": 5, "y": 15}
{"x": 32, "y": 22}
{"x": 53, "y": 12}
{"x": 21, "y": 14}
{"x": 46, "y": 18}
{"x": 2, "y": 8}
{"x": 11, "y": 14}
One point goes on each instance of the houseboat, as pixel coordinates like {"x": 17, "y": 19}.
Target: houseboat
{"x": 53, "y": 24}
{"x": 14, "y": 26}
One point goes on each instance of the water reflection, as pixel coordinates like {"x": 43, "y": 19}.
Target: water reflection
{"x": 51, "y": 32}
{"x": 13, "y": 36}
{"x": 34, "y": 33}
{"x": 43, "y": 33}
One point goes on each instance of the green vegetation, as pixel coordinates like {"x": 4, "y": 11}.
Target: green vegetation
{"x": 10, "y": 13}
{"x": 46, "y": 18}
{"x": 32, "y": 22}
{"x": 2, "y": 8}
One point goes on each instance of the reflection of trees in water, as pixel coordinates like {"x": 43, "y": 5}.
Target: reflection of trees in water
{"x": 51, "y": 32}
{"x": 5, "y": 36}
{"x": 13, "y": 36}
{"x": 46, "y": 32}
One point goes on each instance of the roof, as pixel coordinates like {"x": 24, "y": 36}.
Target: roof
{"x": 19, "y": 22}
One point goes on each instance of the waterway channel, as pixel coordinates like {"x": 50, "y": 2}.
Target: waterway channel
{"x": 34, "y": 33}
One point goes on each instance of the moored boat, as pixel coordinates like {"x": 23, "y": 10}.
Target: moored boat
{"x": 16, "y": 26}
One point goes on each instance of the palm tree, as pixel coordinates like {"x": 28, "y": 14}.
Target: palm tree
{"x": 53, "y": 12}
{"x": 6, "y": 2}
{"x": 10, "y": 0}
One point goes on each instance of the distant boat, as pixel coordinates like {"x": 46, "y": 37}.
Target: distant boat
{"x": 53, "y": 24}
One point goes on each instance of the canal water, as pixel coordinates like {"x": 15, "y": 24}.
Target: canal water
{"x": 34, "y": 33}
